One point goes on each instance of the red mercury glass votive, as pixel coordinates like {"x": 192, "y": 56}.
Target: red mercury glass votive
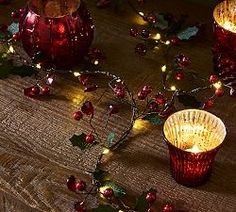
{"x": 224, "y": 49}
{"x": 56, "y": 32}
{"x": 193, "y": 138}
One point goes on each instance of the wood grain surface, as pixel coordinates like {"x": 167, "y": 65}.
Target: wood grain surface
{"x": 36, "y": 156}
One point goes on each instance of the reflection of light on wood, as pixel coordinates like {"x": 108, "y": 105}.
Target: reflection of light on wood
{"x": 225, "y": 15}
{"x": 140, "y": 126}
{"x": 194, "y": 149}
{"x": 139, "y": 20}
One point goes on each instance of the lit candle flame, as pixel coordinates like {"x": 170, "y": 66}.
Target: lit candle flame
{"x": 194, "y": 149}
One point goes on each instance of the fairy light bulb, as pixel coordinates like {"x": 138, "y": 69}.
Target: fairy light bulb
{"x": 157, "y": 36}
{"x": 141, "y": 13}
{"x": 217, "y": 85}
{"x": 173, "y": 88}
{"x": 167, "y": 42}
{"x": 11, "y": 49}
{"x": 76, "y": 74}
{"x": 38, "y": 66}
{"x": 163, "y": 68}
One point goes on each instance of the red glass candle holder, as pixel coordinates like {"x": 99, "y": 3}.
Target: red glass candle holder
{"x": 57, "y": 32}
{"x": 193, "y": 138}
{"x": 224, "y": 49}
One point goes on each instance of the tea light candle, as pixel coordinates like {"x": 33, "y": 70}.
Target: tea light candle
{"x": 224, "y": 49}
{"x": 193, "y": 138}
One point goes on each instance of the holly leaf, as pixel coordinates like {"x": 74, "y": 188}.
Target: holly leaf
{"x": 110, "y": 139}
{"x": 99, "y": 174}
{"x": 188, "y": 33}
{"x": 13, "y": 28}
{"x": 154, "y": 119}
{"x": 141, "y": 203}
{"x": 189, "y": 101}
{"x": 118, "y": 190}
{"x": 161, "y": 23}
{"x": 79, "y": 140}
{"x": 105, "y": 208}
{"x": 23, "y": 71}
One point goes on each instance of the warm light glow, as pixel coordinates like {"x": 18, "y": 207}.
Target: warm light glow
{"x": 38, "y": 66}
{"x": 194, "y": 149}
{"x": 139, "y": 124}
{"x": 218, "y": 84}
{"x": 105, "y": 151}
{"x": 157, "y": 36}
{"x": 77, "y": 74}
{"x": 96, "y": 62}
{"x": 167, "y": 42}
{"x": 11, "y": 50}
{"x": 163, "y": 68}
{"x": 173, "y": 88}
{"x": 141, "y": 13}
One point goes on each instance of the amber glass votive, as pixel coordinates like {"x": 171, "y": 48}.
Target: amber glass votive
{"x": 224, "y": 49}
{"x": 193, "y": 138}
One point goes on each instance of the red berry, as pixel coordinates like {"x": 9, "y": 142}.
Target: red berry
{"x": 133, "y": 32}
{"x": 208, "y": 104}
{"x": 89, "y": 138}
{"x": 113, "y": 109}
{"x": 153, "y": 106}
{"x": 213, "y": 78}
{"x": 151, "y": 197}
{"x": 142, "y": 95}
{"x": 147, "y": 89}
{"x": 141, "y": 49}
{"x": 219, "y": 92}
{"x": 108, "y": 193}
{"x": 175, "y": 40}
{"x": 45, "y": 90}
{"x": 168, "y": 208}
{"x": 16, "y": 36}
{"x": 71, "y": 183}
{"x": 179, "y": 75}
{"x": 182, "y": 60}
{"x": 87, "y": 108}
{"x": 84, "y": 79}
{"x": 15, "y": 15}
{"x": 120, "y": 94}
{"x": 145, "y": 33}
{"x": 167, "y": 112}
{"x": 79, "y": 207}
{"x": 152, "y": 19}
{"x": 160, "y": 99}
{"x": 35, "y": 90}
{"x": 78, "y": 115}
{"x": 81, "y": 185}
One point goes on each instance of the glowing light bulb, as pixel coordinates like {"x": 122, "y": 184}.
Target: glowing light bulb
{"x": 141, "y": 13}
{"x": 38, "y": 66}
{"x": 173, "y": 88}
{"x": 96, "y": 62}
{"x": 105, "y": 151}
{"x": 11, "y": 50}
{"x": 163, "y": 68}
{"x": 218, "y": 84}
{"x": 76, "y": 74}
{"x": 157, "y": 36}
{"x": 167, "y": 42}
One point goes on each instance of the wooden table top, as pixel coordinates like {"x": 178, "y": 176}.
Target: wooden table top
{"x": 36, "y": 156}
